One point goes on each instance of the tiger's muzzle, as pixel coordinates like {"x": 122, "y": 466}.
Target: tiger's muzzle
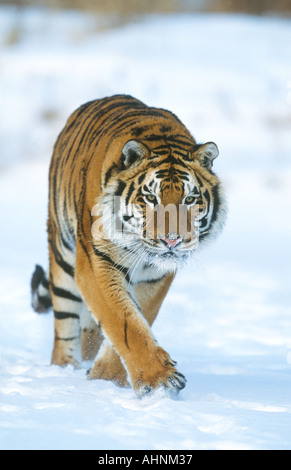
{"x": 172, "y": 240}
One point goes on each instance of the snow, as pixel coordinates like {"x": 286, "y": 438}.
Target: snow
{"x": 227, "y": 318}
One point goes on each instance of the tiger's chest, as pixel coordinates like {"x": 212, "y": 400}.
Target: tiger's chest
{"x": 142, "y": 285}
{"x": 144, "y": 273}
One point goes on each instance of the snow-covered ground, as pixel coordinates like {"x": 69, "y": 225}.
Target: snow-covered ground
{"x": 227, "y": 319}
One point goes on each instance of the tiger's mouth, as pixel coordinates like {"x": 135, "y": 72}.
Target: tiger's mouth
{"x": 166, "y": 258}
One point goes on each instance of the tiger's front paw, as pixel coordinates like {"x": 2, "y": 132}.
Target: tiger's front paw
{"x": 160, "y": 374}
{"x": 173, "y": 383}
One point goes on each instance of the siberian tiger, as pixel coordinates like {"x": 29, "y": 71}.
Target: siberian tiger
{"x": 119, "y": 156}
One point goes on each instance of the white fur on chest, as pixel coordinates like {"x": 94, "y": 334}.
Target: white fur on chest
{"x": 144, "y": 273}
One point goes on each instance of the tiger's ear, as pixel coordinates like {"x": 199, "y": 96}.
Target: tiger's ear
{"x": 205, "y": 153}
{"x": 132, "y": 153}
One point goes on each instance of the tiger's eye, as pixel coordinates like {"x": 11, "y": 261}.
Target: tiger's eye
{"x": 151, "y": 198}
{"x": 189, "y": 199}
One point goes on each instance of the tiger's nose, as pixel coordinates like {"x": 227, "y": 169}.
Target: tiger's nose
{"x": 172, "y": 240}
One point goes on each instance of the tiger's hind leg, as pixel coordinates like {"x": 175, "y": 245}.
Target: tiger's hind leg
{"x": 91, "y": 335}
{"x": 67, "y": 304}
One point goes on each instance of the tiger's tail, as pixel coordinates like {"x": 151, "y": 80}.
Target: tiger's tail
{"x": 40, "y": 293}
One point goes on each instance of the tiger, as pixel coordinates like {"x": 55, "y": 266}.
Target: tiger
{"x": 119, "y": 156}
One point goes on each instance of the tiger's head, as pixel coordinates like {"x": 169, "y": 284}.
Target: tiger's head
{"x": 161, "y": 207}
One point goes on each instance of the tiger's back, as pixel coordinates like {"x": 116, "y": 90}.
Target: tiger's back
{"x": 106, "y": 292}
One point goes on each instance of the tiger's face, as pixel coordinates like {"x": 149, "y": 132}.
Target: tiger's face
{"x": 162, "y": 207}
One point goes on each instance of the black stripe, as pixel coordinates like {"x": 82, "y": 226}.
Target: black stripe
{"x": 55, "y": 185}
{"x": 80, "y": 125}
{"x": 151, "y": 281}
{"x": 124, "y": 270}
{"x": 161, "y": 153}
{"x": 165, "y": 129}
{"x": 75, "y": 203}
{"x": 67, "y": 339}
{"x": 64, "y": 242}
{"x": 109, "y": 173}
{"x": 154, "y": 137}
{"x": 126, "y": 218}
{"x": 89, "y": 133}
{"x": 109, "y": 260}
{"x": 162, "y": 173}
{"x": 203, "y": 177}
{"x": 81, "y": 225}
{"x": 200, "y": 182}
{"x": 162, "y": 147}
{"x": 181, "y": 154}
{"x": 65, "y": 315}
{"x": 173, "y": 160}
{"x": 125, "y": 121}
{"x": 129, "y": 193}
{"x": 141, "y": 178}
{"x": 62, "y": 263}
{"x": 57, "y": 255}
{"x": 176, "y": 140}
{"x": 108, "y": 123}
{"x": 216, "y": 203}
{"x": 120, "y": 188}
{"x": 139, "y": 130}
{"x": 183, "y": 174}
{"x": 65, "y": 294}
{"x": 177, "y": 148}
{"x": 84, "y": 246}
{"x": 203, "y": 222}
{"x": 207, "y": 197}
{"x": 67, "y": 226}
{"x": 125, "y": 334}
